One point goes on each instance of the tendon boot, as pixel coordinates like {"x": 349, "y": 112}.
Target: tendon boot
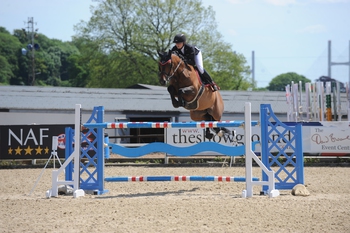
{"x": 207, "y": 79}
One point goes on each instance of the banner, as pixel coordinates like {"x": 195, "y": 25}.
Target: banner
{"x": 31, "y": 141}
{"x": 190, "y": 136}
{"x": 331, "y": 137}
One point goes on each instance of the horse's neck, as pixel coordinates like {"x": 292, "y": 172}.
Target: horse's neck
{"x": 183, "y": 65}
{"x": 186, "y": 75}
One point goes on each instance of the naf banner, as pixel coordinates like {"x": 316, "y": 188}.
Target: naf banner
{"x": 31, "y": 141}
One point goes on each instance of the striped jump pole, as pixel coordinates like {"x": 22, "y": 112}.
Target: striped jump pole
{"x": 177, "y": 178}
{"x": 164, "y": 125}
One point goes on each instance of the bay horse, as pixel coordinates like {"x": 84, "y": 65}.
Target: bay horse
{"x": 187, "y": 90}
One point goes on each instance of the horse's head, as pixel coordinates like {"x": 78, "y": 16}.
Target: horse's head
{"x": 165, "y": 67}
{"x": 169, "y": 64}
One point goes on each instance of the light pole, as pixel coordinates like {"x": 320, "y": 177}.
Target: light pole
{"x": 31, "y": 47}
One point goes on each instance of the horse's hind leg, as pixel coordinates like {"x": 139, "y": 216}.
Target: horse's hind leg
{"x": 202, "y": 116}
{"x": 221, "y": 131}
{"x": 205, "y": 116}
{"x": 208, "y": 134}
{"x": 216, "y": 112}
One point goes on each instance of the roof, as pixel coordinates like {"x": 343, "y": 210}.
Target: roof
{"x": 146, "y": 86}
{"x": 155, "y": 99}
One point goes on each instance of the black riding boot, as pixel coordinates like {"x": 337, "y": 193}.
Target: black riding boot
{"x": 206, "y": 78}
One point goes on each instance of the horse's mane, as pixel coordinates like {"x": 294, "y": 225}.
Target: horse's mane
{"x": 181, "y": 57}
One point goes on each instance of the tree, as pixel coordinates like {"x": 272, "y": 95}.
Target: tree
{"x": 9, "y": 51}
{"x": 229, "y": 70}
{"x": 281, "y": 81}
{"x": 5, "y": 71}
{"x": 128, "y": 34}
{"x": 51, "y": 59}
{"x": 3, "y": 30}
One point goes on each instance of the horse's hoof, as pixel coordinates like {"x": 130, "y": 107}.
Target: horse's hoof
{"x": 209, "y": 135}
{"x": 221, "y": 133}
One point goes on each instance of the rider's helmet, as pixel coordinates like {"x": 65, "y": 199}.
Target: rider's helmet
{"x": 179, "y": 38}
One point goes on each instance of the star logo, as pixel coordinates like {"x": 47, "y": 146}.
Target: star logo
{"x": 9, "y": 151}
{"x": 46, "y": 150}
{"x": 38, "y": 150}
{"x": 18, "y": 151}
{"x": 28, "y": 151}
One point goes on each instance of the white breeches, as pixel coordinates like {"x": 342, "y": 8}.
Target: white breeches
{"x": 199, "y": 62}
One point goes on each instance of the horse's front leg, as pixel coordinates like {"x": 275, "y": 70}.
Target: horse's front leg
{"x": 174, "y": 101}
{"x": 184, "y": 91}
{"x": 187, "y": 90}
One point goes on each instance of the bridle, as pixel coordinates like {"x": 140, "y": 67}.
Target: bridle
{"x": 167, "y": 75}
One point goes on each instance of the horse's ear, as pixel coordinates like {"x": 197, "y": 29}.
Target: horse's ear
{"x": 169, "y": 53}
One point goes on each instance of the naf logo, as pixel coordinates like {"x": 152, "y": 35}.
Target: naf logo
{"x": 31, "y": 141}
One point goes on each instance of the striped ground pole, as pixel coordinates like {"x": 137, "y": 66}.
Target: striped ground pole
{"x": 176, "y": 178}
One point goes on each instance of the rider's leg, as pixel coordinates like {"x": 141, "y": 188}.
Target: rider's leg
{"x": 205, "y": 76}
{"x": 199, "y": 62}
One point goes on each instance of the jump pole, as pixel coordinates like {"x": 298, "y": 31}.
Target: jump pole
{"x": 177, "y": 178}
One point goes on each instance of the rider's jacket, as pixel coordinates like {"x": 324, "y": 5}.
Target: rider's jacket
{"x": 188, "y": 52}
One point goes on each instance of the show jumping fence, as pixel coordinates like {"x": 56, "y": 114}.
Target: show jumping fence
{"x": 275, "y": 135}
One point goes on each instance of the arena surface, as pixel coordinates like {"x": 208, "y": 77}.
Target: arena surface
{"x": 175, "y": 206}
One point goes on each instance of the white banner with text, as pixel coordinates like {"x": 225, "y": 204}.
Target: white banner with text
{"x": 331, "y": 137}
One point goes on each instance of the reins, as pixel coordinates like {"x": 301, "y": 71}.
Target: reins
{"x": 168, "y": 77}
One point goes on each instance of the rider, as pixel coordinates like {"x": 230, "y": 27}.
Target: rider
{"x": 193, "y": 56}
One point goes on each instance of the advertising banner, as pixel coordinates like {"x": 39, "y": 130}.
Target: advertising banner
{"x": 331, "y": 137}
{"x": 31, "y": 141}
{"x": 190, "y": 136}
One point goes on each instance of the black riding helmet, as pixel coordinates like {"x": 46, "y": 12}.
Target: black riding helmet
{"x": 179, "y": 38}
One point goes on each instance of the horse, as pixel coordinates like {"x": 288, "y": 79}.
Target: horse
{"x": 188, "y": 91}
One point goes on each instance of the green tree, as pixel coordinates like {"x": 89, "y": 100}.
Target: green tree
{"x": 78, "y": 72}
{"x": 79, "y": 64}
{"x": 51, "y": 60}
{"x": 3, "y": 30}
{"x": 5, "y": 71}
{"x": 9, "y": 52}
{"x": 128, "y": 34}
{"x": 228, "y": 69}
{"x": 281, "y": 81}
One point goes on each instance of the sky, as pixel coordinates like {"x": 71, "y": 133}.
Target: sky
{"x": 285, "y": 35}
